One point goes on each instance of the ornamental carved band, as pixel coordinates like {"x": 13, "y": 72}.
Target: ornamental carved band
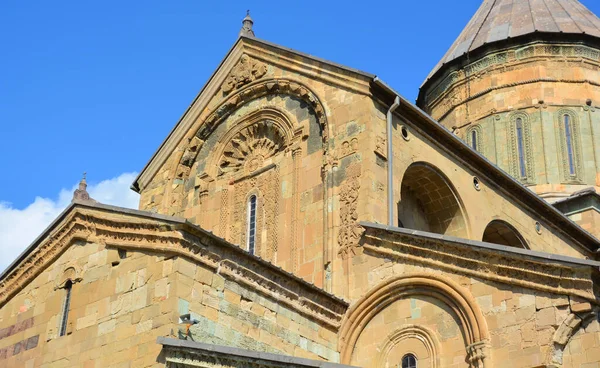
{"x": 350, "y": 231}
{"x": 246, "y": 71}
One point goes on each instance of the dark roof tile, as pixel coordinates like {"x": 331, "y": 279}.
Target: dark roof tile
{"x": 498, "y": 20}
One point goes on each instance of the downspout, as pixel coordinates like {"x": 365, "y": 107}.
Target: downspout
{"x": 390, "y": 157}
{"x": 390, "y": 154}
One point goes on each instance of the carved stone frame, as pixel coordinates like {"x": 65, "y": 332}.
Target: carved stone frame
{"x": 576, "y": 143}
{"x": 527, "y": 146}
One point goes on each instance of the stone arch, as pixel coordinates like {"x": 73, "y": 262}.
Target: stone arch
{"x": 278, "y": 127}
{"x": 473, "y": 323}
{"x": 479, "y": 144}
{"x": 420, "y": 333}
{"x": 208, "y": 122}
{"x": 576, "y": 145}
{"x": 71, "y": 272}
{"x": 501, "y": 232}
{"x": 248, "y": 93}
{"x": 429, "y": 202}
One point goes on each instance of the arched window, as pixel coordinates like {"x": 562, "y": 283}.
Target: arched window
{"x": 474, "y": 139}
{"x": 251, "y": 238}
{"x": 66, "y": 305}
{"x": 409, "y": 361}
{"x": 571, "y": 151}
{"x": 521, "y": 148}
{"x": 521, "y": 163}
{"x": 569, "y": 142}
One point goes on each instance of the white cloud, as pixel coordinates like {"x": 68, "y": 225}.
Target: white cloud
{"x": 20, "y": 227}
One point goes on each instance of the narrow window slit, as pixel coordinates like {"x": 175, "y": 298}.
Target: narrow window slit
{"x": 65, "y": 316}
{"x": 251, "y": 224}
{"x": 569, "y": 138}
{"x": 521, "y": 149}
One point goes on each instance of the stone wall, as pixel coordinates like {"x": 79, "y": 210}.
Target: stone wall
{"x": 117, "y": 309}
{"x": 230, "y": 314}
{"x": 537, "y": 82}
{"x": 133, "y": 275}
{"x": 461, "y": 315}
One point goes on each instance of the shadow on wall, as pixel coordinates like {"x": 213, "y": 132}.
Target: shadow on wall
{"x": 430, "y": 203}
{"x": 501, "y": 232}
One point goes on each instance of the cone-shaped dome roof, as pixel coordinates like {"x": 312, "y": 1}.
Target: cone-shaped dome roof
{"x": 498, "y": 20}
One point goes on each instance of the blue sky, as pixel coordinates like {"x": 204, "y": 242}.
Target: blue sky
{"x": 97, "y": 86}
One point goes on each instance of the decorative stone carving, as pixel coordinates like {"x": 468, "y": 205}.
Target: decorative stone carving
{"x": 563, "y": 335}
{"x": 421, "y": 333}
{"x": 527, "y": 147}
{"x": 224, "y": 212}
{"x": 381, "y": 146}
{"x": 349, "y": 147}
{"x": 477, "y": 354}
{"x": 575, "y": 145}
{"x": 249, "y": 149}
{"x": 246, "y": 71}
{"x": 132, "y": 232}
{"x": 350, "y": 231}
{"x": 480, "y": 263}
{"x": 446, "y": 291}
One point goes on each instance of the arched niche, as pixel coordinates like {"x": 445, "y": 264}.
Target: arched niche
{"x": 429, "y": 202}
{"x": 449, "y": 295}
{"x": 503, "y": 233}
{"x": 415, "y": 340}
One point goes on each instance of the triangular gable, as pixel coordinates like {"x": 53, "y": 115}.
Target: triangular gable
{"x": 263, "y": 52}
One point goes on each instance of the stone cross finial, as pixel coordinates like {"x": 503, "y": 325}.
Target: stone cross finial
{"x": 81, "y": 193}
{"x": 247, "y": 23}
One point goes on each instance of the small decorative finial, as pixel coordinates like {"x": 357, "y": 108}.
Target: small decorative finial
{"x": 247, "y": 23}
{"x": 81, "y": 193}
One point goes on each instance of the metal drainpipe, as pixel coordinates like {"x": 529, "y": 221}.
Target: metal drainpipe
{"x": 390, "y": 157}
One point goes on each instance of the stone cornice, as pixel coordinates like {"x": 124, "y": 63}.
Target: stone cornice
{"x": 141, "y": 231}
{"x": 516, "y": 47}
{"x": 184, "y": 353}
{"x": 525, "y": 268}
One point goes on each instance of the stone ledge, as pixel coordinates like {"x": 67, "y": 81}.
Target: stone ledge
{"x": 196, "y": 354}
{"x": 530, "y": 269}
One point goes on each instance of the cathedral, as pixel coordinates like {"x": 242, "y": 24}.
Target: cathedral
{"x": 302, "y": 213}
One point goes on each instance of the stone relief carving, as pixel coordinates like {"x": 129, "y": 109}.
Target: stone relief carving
{"x": 184, "y": 240}
{"x": 350, "y": 231}
{"x": 246, "y": 71}
{"x": 504, "y": 57}
{"x": 208, "y": 122}
{"x": 349, "y": 147}
{"x": 224, "y": 212}
{"x": 191, "y": 358}
{"x": 513, "y": 270}
{"x": 381, "y": 146}
{"x": 249, "y": 149}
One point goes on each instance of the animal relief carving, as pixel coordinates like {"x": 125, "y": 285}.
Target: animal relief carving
{"x": 246, "y": 71}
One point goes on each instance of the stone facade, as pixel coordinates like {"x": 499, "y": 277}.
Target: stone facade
{"x": 540, "y": 83}
{"x": 259, "y": 243}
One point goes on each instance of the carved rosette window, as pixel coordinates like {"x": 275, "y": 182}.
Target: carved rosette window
{"x": 249, "y": 167}
{"x": 251, "y": 147}
{"x": 568, "y": 127}
{"x": 521, "y": 148}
